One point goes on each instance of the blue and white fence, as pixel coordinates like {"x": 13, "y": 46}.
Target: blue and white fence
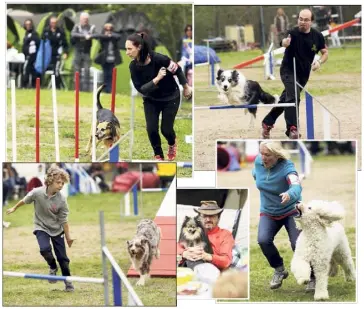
{"x": 210, "y": 63}
{"x": 130, "y": 198}
{"x": 118, "y": 277}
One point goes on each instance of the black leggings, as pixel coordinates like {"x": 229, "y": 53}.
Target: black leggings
{"x": 287, "y": 96}
{"x": 55, "y": 66}
{"x": 29, "y": 73}
{"x": 152, "y": 110}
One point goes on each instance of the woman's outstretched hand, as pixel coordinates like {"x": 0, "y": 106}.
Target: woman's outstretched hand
{"x": 285, "y": 197}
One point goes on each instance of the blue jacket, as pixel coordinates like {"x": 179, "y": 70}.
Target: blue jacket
{"x": 272, "y": 182}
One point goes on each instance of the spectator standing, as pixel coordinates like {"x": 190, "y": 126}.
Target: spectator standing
{"x": 81, "y": 38}
{"x": 59, "y": 45}
{"x": 109, "y": 55}
{"x": 31, "y": 44}
{"x": 281, "y": 23}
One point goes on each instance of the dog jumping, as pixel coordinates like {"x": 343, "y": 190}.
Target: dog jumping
{"x": 235, "y": 89}
{"x": 107, "y": 125}
{"x": 143, "y": 247}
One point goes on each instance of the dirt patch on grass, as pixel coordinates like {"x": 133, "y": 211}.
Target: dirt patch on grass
{"x": 211, "y": 125}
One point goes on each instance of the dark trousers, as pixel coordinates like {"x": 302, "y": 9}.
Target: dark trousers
{"x": 268, "y": 229}
{"x": 59, "y": 247}
{"x": 29, "y": 74}
{"x": 55, "y": 66}
{"x": 152, "y": 110}
{"x": 107, "y": 69}
{"x": 287, "y": 96}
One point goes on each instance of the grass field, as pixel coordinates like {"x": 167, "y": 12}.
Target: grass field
{"x": 261, "y": 274}
{"x": 21, "y": 253}
{"x": 25, "y": 101}
{"x": 336, "y": 85}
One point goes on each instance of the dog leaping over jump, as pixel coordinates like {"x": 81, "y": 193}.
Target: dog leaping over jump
{"x": 235, "y": 89}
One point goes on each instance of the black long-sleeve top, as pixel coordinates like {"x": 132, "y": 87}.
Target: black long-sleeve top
{"x": 142, "y": 77}
{"x": 31, "y": 43}
{"x": 57, "y": 39}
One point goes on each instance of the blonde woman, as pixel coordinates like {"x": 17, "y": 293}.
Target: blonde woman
{"x": 280, "y": 189}
{"x": 51, "y": 221}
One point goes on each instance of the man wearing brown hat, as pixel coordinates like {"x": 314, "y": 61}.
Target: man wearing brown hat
{"x": 222, "y": 241}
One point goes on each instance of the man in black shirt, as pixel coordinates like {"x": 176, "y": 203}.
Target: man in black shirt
{"x": 302, "y": 43}
{"x": 31, "y": 43}
{"x": 58, "y": 41}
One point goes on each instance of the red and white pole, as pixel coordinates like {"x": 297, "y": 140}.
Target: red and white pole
{"x": 113, "y": 90}
{"x": 281, "y": 50}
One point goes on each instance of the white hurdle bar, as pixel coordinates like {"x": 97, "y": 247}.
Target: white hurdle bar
{"x": 244, "y": 106}
{"x": 55, "y": 278}
{"x": 154, "y": 190}
{"x": 184, "y": 164}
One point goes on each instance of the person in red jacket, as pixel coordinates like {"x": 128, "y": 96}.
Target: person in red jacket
{"x": 221, "y": 240}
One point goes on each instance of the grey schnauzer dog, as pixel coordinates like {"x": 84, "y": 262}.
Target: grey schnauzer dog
{"x": 143, "y": 247}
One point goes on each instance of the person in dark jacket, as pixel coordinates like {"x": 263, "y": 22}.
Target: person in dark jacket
{"x": 302, "y": 44}
{"x": 58, "y": 41}
{"x": 281, "y": 23}
{"x": 153, "y": 76}
{"x": 81, "y": 38}
{"x": 109, "y": 55}
{"x": 31, "y": 44}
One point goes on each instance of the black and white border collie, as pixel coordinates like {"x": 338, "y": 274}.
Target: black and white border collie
{"x": 235, "y": 89}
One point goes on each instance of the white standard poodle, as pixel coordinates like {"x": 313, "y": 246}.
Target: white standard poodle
{"x": 321, "y": 244}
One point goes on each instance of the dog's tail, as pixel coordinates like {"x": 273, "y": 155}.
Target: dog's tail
{"x": 99, "y": 90}
{"x": 267, "y": 98}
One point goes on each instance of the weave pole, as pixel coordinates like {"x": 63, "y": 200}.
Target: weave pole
{"x": 94, "y": 111}
{"x": 113, "y": 90}
{"x": 55, "y": 117}
{"x": 37, "y": 110}
{"x": 309, "y": 116}
{"x": 104, "y": 259}
{"x": 296, "y": 96}
{"x": 113, "y": 151}
{"x": 77, "y": 115}
{"x": 13, "y": 118}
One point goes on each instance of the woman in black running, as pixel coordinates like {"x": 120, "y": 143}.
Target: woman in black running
{"x": 153, "y": 75}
